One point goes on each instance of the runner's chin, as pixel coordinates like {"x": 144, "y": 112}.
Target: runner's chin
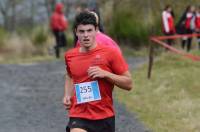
{"x": 87, "y": 44}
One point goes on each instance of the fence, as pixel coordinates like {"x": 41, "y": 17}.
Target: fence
{"x": 159, "y": 40}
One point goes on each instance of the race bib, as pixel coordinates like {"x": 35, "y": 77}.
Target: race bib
{"x": 87, "y": 92}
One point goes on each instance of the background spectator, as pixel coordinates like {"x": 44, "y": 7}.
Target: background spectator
{"x": 58, "y": 25}
{"x": 197, "y": 24}
{"x": 168, "y": 22}
{"x": 185, "y": 26}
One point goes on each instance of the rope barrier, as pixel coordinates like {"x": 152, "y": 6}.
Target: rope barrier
{"x": 176, "y": 36}
{"x": 158, "y": 39}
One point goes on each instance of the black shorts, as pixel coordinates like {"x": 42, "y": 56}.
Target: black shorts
{"x": 103, "y": 125}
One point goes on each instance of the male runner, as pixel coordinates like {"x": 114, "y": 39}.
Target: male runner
{"x": 92, "y": 72}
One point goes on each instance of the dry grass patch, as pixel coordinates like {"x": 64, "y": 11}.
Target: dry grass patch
{"x": 21, "y": 49}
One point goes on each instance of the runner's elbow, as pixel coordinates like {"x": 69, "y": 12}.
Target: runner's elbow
{"x": 129, "y": 85}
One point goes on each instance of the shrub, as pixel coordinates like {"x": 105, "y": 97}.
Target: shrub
{"x": 39, "y": 37}
{"x": 3, "y": 35}
{"x": 126, "y": 27}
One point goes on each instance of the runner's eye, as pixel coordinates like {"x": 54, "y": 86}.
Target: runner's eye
{"x": 81, "y": 31}
{"x": 89, "y": 30}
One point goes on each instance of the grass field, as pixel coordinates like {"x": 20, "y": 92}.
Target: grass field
{"x": 169, "y": 101}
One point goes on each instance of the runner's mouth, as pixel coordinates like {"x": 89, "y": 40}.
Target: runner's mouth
{"x": 86, "y": 40}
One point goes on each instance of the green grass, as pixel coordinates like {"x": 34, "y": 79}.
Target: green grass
{"x": 130, "y": 52}
{"x": 169, "y": 101}
{"x": 196, "y": 53}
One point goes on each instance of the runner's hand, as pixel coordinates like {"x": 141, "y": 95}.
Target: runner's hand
{"x": 67, "y": 102}
{"x": 97, "y": 72}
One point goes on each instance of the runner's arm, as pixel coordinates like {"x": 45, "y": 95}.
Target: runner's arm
{"x": 123, "y": 81}
{"x": 68, "y": 91}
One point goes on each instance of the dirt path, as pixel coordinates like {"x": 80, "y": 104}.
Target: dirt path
{"x": 30, "y": 99}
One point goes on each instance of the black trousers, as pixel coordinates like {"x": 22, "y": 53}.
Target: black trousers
{"x": 61, "y": 41}
{"x": 187, "y": 42}
{"x": 169, "y": 41}
{"x": 198, "y": 39}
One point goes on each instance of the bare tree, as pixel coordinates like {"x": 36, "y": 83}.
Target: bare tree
{"x": 8, "y": 12}
{"x": 4, "y": 5}
{"x": 32, "y": 12}
{"x": 67, "y": 6}
{"x": 50, "y": 6}
{"x": 12, "y": 20}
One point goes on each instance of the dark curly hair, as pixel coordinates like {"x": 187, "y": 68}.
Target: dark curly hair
{"x": 85, "y": 18}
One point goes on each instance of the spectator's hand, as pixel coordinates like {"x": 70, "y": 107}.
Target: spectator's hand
{"x": 67, "y": 102}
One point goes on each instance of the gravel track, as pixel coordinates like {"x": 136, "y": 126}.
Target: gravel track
{"x": 31, "y": 94}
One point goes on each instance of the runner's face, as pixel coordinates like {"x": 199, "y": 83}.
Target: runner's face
{"x": 86, "y": 35}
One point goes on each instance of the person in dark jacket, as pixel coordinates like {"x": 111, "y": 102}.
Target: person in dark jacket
{"x": 185, "y": 26}
{"x": 59, "y": 24}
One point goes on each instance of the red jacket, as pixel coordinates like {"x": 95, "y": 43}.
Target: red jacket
{"x": 188, "y": 20}
{"x": 197, "y": 21}
{"x": 58, "y": 20}
{"x": 168, "y": 22}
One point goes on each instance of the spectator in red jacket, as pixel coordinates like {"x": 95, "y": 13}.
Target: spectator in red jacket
{"x": 59, "y": 24}
{"x": 197, "y": 24}
{"x": 168, "y": 22}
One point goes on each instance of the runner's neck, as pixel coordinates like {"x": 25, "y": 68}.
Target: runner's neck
{"x": 85, "y": 49}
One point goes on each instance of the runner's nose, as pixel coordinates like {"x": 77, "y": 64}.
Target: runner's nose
{"x": 85, "y": 34}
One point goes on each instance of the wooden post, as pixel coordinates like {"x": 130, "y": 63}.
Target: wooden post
{"x": 151, "y": 57}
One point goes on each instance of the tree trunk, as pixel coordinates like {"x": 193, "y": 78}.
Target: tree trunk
{"x": 32, "y": 13}
{"x": 13, "y": 19}
{"x": 50, "y": 4}
{"x": 3, "y": 7}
